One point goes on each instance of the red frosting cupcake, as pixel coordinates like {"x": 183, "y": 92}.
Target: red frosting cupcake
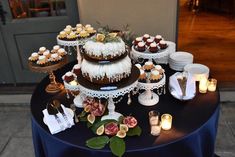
{"x": 141, "y": 46}
{"x": 153, "y": 48}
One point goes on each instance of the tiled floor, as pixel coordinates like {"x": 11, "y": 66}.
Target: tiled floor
{"x": 16, "y": 137}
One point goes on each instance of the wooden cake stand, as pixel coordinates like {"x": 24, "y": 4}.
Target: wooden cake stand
{"x": 53, "y": 87}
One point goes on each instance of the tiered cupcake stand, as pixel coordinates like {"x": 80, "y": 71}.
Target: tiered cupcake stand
{"x": 161, "y": 57}
{"x": 110, "y": 92}
{"x": 149, "y": 98}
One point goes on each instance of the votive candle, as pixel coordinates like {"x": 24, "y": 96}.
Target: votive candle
{"x": 166, "y": 121}
{"x": 212, "y": 83}
{"x": 203, "y": 85}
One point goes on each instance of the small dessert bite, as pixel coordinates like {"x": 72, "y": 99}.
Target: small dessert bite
{"x": 55, "y": 48}
{"x": 67, "y": 30}
{"x": 72, "y": 36}
{"x": 141, "y": 47}
{"x": 158, "y": 38}
{"x": 42, "y": 60}
{"x": 155, "y": 76}
{"x": 55, "y": 57}
{"x": 153, "y": 48}
{"x": 61, "y": 52}
{"x": 87, "y": 25}
{"x": 162, "y": 44}
{"x": 137, "y": 40}
{"x": 79, "y": 29}
{"x": 34, "y": 57}
{"x": 142, "y": 76}
{"x": 41, "y": 50}
{"x": 145, "y": 37}
{"x": 79, "y": 25}
{"x": 62, "y": 35}
{"x": 68, "y": 27}
{"x": 68, "y": 77}
{"x": 149, "y": 41}
{"x": 77, "y": 69}
{"x": 148, "y": 66}
{"x": 159, "y": 69}
{"x": 90, "y": 30}
{"x": 83, "y": 34}
{"x": 47, "y": 54}
{"x": 138, "y": 66}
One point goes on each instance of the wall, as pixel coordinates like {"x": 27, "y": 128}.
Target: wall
{"x": 143, "y": 16}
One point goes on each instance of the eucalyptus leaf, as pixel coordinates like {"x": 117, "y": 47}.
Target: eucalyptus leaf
{"x": 97, "y": 142}
{"x": 117, "y": 146}
{"x": 136, "y": 131}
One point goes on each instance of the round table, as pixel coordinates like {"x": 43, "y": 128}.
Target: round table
{"x": 192, "y": 135}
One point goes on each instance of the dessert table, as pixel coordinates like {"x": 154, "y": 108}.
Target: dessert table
{"x": 193, "y": 131}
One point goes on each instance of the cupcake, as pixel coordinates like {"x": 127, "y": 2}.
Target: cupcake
{"x": 155, "y": 76}
{"x": 77, "y": 69}
{"x": 47, "y": 54}
{"x": 158, "y": 38}
{"x": 149, "y": 41}
{"x": 90, "y": 30}
{"x": 55, "y": 49}
{"x": 41, "y": 50}
{"x": 162, "y": 44}
{"x": 83, "y": 34}
{"x": 79, "y": 25}
{"x": 142, "y": 76}
{"x": 79, "y": 29}
{"x": 61, "y": 52}
{"x": 68, "y": 77}
{"x": 141, "y": 47}
{"x": 34, "y": 57}
{"x": 42, "y": 60}
{"x": 68, "y": 27}
{"x": 62, "y": 35}
{"x": 145, "y": 37}
{"x": 137, "y": 40}
{"x": 148, "y": 66}
{"x": 138, "y": 66}
{"x": 55, "y": 57}
{"x": 67, "y": 30}
{"x": 153, "y": 48}
{"x": 87, "y": 26}
{"x": 159, "y": 69}
{"x": 72, "y": 36}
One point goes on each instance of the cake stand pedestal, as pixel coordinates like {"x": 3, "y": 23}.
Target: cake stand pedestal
{"x": 53, "y": 87}
{"x": 149, "y": 98}
{"x": 109, "y": 92}
{"x": 160, "y": 57}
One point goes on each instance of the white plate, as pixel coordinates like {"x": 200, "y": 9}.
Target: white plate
{"x": 181, "y": 57}
{"x": 197, "y": 70}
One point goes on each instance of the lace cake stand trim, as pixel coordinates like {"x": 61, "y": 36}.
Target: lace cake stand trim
{"x": 71, "y": 43}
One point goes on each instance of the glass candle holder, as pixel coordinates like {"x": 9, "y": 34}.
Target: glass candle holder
{"x": 166, "y": 121}
{"x": 212, "y": 83}
{"x": 154, "y": 122}
{"x": 203, "y": 85}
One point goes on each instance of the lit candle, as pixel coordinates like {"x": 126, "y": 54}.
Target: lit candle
{"x": 155, "y": 130}
{"x": 212, "y": 85}
{"x": 203, "y": 85}
{"x": 166, "y": 121}
{"x": 73, "y": 83}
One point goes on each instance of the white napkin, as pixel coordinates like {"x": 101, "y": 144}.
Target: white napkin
{"x": 175, "y": 87}
{"x": 53, "y": 125}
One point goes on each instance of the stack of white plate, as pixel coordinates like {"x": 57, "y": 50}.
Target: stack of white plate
{"x": 178, "y": 60}
{"x": 198, "y": 71}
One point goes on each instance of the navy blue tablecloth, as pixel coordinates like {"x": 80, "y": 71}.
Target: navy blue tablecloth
{"x": 192, "y": 135}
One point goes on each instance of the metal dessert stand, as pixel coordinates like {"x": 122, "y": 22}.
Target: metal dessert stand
{"x": 54, "y": 86}
{"x": 87, "y": 88}
{"x": 149, "y": 98}
{"x": 160, "y": 57}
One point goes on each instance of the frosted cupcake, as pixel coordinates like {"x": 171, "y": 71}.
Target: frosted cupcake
{"x": 145, "y": 37}
{"x": 79, "y": 29}
{"x": 148, "y": 66}
{"x": 67, "y": 30}
{"x": 90, "y": 30}
{"x": 72, "y": 36}
{"x": 140, "y": 47}
{"x": 34, "y": 57}
{"x": 41, "y": 50}
{"x": 137, "y": 40}
{"x": 77, "y": 69}
{"x": 149, "y": 41}
{"x": 79, "y": 25}
{"x": 83, "y": 34}
{"x": 155, "y": 76}
{"x": 62, "y": 35}
{"x": 55, "y": 49}
{"x": 158, "y": 38}
{"x": 42, "y": 60}
{"x": 138, "y": 66}
{"x": 142, "y": 76}
{"x": 68, "y": 77}
{"x": 55, "y": 58}
{"x": 153, "y": 48}
{"x": 159, "y": 69}
{"x": 61, "y": 52}
{"x": 47, "y": 54}
{"x": 162, "y": 44}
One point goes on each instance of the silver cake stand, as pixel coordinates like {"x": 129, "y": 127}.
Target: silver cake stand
{"x": 149, "y": 98}
{"x": 110, "y": 92}
{"x": 161, "y": 57}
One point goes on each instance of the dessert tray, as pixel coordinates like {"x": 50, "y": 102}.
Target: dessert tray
{"x": 159, "y": 57}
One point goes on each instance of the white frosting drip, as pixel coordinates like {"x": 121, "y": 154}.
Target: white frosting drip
{"x": 158, "y": 67}
{"x": 138, "y": 66}
{"x": 162, "y": 42}
{"x": 148, "y": 63}
{"x": 42, "y": 49}
{"x": 141, "y": 44}
{"x": 158, "y": 37}
{"x": 69, "y": 73}
{"x": 104, "y": 49}
{"x": 153, "y": 45}
{"x": 113, "y": 71}
{"x": 155, "y": 72}
{"x": 35, "y": 54}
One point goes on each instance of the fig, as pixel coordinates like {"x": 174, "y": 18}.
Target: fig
{"x": 123, "y": 127}
{"x": 87, "y": 108}
{"x": 111, "y": 128}
{"x": 100, "y": 130}
{"x": 91, "y": 118}
{"x": 100, "y": 37}
{"x": 121, "y": 134}
{"x": 130, "y": 121}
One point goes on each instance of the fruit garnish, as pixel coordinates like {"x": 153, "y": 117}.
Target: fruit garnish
{"x": 100, "y": 130}
{"x": 130, "y": 121}
{"x": 91, "y": 118}
{"x": 100, "y": 37}
{"x": 121, "y": 134}
{"x": 123, "y": 127}
{"x": 113, "y": 35}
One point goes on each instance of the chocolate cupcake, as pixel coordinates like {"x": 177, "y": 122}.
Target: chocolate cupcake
{"x": 145, "y": 37}
{"x": 158, "y": 38}
{"x": 137, "y": 40}
{"x": 62, "y": 35}
{"x": 162, "y": 44}
{"x": 77, "y": 69}
{"x": 143, "y": 76}
{"x": 68, "y": 77}
{"x": 141, "y": 47}
{"x": 148, "y": 66}
{"x": 153, "y": 48}
{"x": 149, "y": 41}
{"x": 155, "y": 76}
